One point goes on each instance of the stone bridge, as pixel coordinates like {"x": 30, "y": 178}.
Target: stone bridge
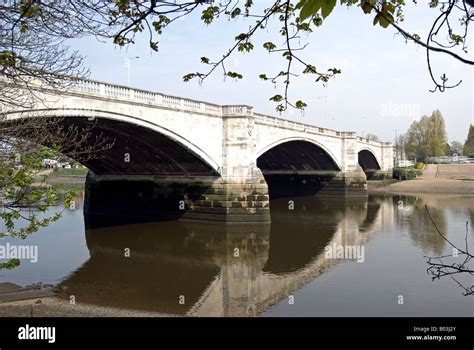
{"x": 218, "y": 163}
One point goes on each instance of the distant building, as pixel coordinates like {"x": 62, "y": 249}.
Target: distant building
{"x": 50, "y": 163}
{"x": 405, "y": 163}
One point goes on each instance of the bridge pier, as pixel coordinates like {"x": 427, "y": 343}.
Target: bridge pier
{"x": 379, "y": 174}
{"x": 151, "y": 198}
{"x": 346, "y": 184}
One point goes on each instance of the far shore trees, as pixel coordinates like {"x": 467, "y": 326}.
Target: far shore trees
{"x": 468, "y": 149}
{"x": 427, "y": 137}
{"x": 456, "y": 147}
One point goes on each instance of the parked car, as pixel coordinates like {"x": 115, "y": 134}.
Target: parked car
{"x": 405, "y": 163}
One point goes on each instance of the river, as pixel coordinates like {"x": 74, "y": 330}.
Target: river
{"x": 319, "y": 257}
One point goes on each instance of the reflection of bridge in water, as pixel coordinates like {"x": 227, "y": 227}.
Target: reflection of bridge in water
{"x": 221, "y": 270}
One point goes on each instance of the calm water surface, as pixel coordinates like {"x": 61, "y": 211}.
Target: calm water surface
{"x": 280, "y": 269}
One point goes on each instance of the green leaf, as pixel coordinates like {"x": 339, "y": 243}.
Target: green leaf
{"x": 385, "y": 21}
{"x": 245, "y": 47}
{"x": 327, "y": 7}
{"x": 10, "y": 264}
{"x": 310, "y": 8}
{"x": 280, "y": 108}
{"x": 234, "y": 75}
{"x": 188, "y": 77}
{"x": 317, "y": 20}
{"x": 241, "y": 36}
{"x": 235, "y": 12}
{"x": 209, "y": 14}
{"x": 300, "y": 104}
{"x": 276, "y": 98}
{"x": 287, "y": 55}
{"x": 300, "y": 4}
{"x": 366, "y": 7}
{"x": 376, "y": 19}
{"x": 269, "y": 46}
{"x": 310, "y": 69}
{"x": 154, "y": 46}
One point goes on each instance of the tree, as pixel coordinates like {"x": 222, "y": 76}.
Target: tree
{"x": 400, "y": 145}
{"x": 427, "y": 137}
{"x": 123, "y": 20}
{"x": 452, "y": 265}
{"x": 296, "y": 18}
{"x": 456, "y": 147}
{"x": 33, "y": 61}
{"x": 437, "y": 134}
{"x": 468, "y": 149}
{"x": 372, "y": 137}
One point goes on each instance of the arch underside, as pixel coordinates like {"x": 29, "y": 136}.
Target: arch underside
{"x": 367, "y": 161}
{"x": 296, "y": 168}
{"x": 296, "y": 156}
{"x": 123, "y": 148}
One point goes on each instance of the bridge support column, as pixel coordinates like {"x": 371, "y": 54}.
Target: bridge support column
{"x": 347, "y": 184}
{"x": 351, "y": 181}
{"x": 139, "y": 199}
{"x": 242, "y": 187}
{"x": 387, "y": 160}
{"x": 231, "y": 202}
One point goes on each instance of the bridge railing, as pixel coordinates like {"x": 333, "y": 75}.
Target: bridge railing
{"x": 97, "y": 88}
{"x": 373, "y": 142}
{"x": 237, "y": 110}
{"x": 288, "y": 124}
{"x": 155, "y": 98}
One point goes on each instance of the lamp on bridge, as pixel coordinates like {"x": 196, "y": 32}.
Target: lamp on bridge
{"x": 326, "y": 106}
{"x": 127, "y": 65}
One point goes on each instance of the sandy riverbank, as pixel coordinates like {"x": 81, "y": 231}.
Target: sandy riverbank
{"x": 55, "y": 307}
{"x": 437, "y": 178}
{"x": 424, "y": 185}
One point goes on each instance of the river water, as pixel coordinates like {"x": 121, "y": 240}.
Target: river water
{"x": 319, "y": 257}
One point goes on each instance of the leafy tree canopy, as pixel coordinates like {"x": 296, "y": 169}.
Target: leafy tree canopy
{"x": 427, "y": 137}
{"x": 468, "y": 149}
{"x": 123, "y": 20}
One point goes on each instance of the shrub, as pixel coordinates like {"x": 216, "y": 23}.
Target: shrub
{"x": 406, "y": 173}
{"x": 419, "y": 166}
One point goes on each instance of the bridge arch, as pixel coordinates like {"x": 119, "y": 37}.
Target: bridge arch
{"x": 284, "y": 145}
{"x": 126, "y": 127}
{"x": 368, "y": 160}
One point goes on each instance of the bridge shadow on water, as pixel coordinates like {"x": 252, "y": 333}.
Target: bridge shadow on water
{"x": 126, "y": 202}
{"x": 213, "y": 269}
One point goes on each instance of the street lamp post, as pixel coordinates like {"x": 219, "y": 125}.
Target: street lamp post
{"x": 127, "y": 65}
{"x": 397, "y": 146}
{"x": 326, "y": 106}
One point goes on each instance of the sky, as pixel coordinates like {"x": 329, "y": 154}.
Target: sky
{"x": 383, "y": 88}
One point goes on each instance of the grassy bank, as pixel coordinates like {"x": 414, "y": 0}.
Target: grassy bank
{"x": 74, "y": 172}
